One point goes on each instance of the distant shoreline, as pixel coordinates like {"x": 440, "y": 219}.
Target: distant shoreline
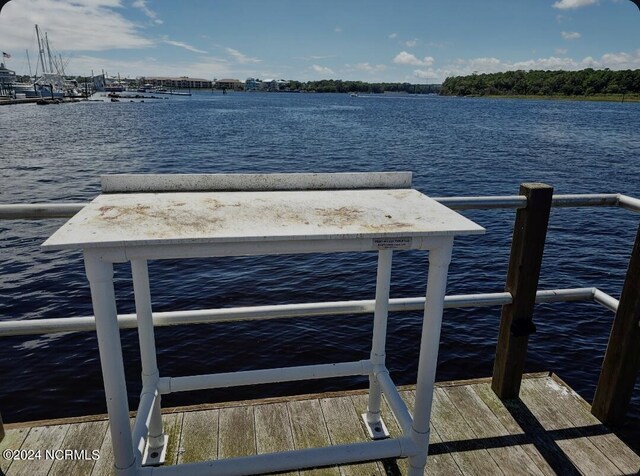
{"x": 594, "y": 98}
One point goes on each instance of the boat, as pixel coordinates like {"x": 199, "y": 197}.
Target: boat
{"x": 114, "y": 87}
{"x": 50, "y": 84}
{"x": 7, "y": 78}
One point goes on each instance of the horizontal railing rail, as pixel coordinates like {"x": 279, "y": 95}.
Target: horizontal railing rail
{"x": 35, "y": 211}
{"x": 210, "y": 316}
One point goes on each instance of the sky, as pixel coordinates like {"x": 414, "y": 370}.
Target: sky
{"x": 416, "y": 41}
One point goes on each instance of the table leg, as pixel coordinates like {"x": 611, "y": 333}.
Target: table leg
{"x": 156, "y": 444}
{"x": 439, "y": 259}
{"x": 100, "y": 275}
{"x": 374, "y": 423}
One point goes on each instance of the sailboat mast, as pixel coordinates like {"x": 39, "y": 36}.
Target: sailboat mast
{"x": 28, "y": 62}
{"x": 61, "y": 65}
{"x": 40, "y": 51}
{"x": 46, "y": 38}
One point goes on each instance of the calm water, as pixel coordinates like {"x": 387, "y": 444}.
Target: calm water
{"x": 453, "y": 146}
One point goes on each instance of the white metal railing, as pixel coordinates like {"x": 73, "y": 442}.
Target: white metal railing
{"x": 67, "y": 210}
{"x": 209, "y": 316}
{"x": 128, "y": 321}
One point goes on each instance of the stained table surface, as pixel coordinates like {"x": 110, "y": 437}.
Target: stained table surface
{"x": 140, "y": 219}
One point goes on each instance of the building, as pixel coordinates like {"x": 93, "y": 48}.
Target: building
{"x": 183, "y": 82}
{"x": 253, "y": 84}
{"x": 6, "y": 75}
{"x": 234, "y": 84}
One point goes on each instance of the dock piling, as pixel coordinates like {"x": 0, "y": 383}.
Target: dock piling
{"x": 622, "y": 358}
{"x": 516, "y": 322}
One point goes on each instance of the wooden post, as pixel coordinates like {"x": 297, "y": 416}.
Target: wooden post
{"x": 516, "y": 324}
{"x": 622, "y": 358}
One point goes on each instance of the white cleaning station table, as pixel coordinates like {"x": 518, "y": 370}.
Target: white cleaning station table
{"x": 174, "y": 224}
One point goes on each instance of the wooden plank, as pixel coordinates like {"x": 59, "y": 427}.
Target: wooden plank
{"x": 237, "y": 432}
{"x": 389, "y": 465}
{"x": 525, "y": 261}
{"x": 172, "y": 426}
{"x": 622, "y": 358}
{"x": 571, "y": 406}
{"x": 503, "y": 448}
{"x": 40, "y": 438}
{"x": 86, "y": 437}
{"x": 344, "y": 427}
{"x": 310, "y": 431}
{"x": 584, "y": 455}
{"x": 104, "y": 466}
{"x": 199, "y": 437}
{"x": 440, "y": 461}
{"x": 273, "y": 430}
{"x": 460, "y": 439}
{"x": 12, "y": 440}
{"x": 514, "y": 428}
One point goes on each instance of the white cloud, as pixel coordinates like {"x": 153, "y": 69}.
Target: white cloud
{"x": 314, "y": 57}
{"x": 411, "y": 43}
{"x": 461, "y": 67}
{"x": 79, "y": 25}
{"x": 393, "y": 35}
{"x": 570, "y": 35}
{"x": 142, "y": 5}
{"x": 569, "y": 4}
{"x": 407, "y": 58}
{"x": 205, "y": 67}
{"x": 561, "y": 51}
{"x": 321, "y": 69}
{"x": 181, "y": 44}
{"x": 369, "y": 68}
{"x": 338, "y": 29}
{"x": 242, "y": 58}
{"x": 425, "y": 74}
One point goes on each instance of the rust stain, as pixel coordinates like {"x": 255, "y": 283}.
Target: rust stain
{"x": 396, "y": 225}
{"x": 165, "y": 221}
{"x": 339, "y": 216}
{"x": 115, "y": 212}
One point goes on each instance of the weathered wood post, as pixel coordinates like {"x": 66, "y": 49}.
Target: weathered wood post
{"x": 516, "y": 324}
{"x": 622, "y": 358}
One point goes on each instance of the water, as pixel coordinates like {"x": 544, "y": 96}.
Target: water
{"x": 454, "y": 147}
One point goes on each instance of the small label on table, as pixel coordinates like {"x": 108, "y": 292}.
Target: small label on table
{"x": 402, "y": 243}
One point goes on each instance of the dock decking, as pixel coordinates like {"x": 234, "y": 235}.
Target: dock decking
{"x": 548, "y": 431}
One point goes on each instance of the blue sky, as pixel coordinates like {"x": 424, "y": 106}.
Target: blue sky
{"x": 414, "y": 41}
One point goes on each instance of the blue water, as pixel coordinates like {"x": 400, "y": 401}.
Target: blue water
{"x": 454, "y": 147}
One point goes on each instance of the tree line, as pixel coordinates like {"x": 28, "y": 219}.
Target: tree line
{"x": 339, "y": 86}
{"x": 587, "y": 82}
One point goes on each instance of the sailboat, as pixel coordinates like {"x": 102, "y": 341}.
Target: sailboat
{"x": 50, "y": 83}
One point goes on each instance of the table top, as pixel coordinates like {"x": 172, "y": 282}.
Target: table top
{"x": 139, "y": 219}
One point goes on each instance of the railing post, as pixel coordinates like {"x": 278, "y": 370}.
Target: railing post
{"x": 516, "y": 324}
{"x": 622, "y": 358}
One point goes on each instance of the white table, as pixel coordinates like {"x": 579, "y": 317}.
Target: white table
{"x": 137, "y": 227}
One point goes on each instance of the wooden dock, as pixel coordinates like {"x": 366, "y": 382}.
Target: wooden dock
{"x": 548, "y": 431}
